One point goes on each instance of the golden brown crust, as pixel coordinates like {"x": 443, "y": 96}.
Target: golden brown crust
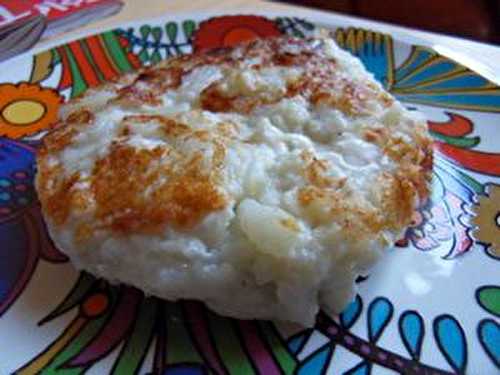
{"x": 55, "y": 191}
{"x": 183, "y": 192}
{"x": 414, "y": 159}
{"x": 398, "y": 190}
{"x": 315, "y": 172}
{"x": 320, "y": 83}
{"x": 146, "y": 196}
{"x": 181, "y": 199}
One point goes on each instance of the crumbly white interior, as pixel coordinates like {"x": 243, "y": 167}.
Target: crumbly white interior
{"x": 264, "y": 255}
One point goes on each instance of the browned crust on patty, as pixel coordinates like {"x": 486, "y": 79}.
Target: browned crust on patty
{"x": 183, "y": 191}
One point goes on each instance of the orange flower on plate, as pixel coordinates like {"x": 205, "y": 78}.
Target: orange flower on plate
{"x": 26, "y": 109}
{"x": 487, "y": 219}
{"x": 226, "y": 31}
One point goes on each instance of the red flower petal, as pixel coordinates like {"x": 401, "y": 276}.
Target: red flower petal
{"x": 477, "y": 161}
{"x": 226, "y": 31}
{"x": 456, "y": 126}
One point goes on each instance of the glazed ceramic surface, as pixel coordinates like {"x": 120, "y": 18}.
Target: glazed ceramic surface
{"x": 432, "y": 306}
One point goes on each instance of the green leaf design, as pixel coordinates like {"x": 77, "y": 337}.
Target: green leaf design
{"x": 297, "y": 33}
{"x": 462, "y": 142}
{"x": 145, "y": 30}
{"x": 188, "y": 27}
{"x": 131, "y": 356}
{"x": 282, "y": 355}
{"x": 488, "y": 298}
{"x": 229, "y": 345}
{"x": 470, "y": 182}
{"x": 155, "y": 57}
{"x": 305, "y": 24}
{"x": 116, "y": 52}
{"x": 56, "y": 58}
{"x": 171, "y": 28}
{"x": 144, "y": 55}
{"x": 79, "y": 85}
{"x": 180, "y": 348}
{"x": 157, "y": 34}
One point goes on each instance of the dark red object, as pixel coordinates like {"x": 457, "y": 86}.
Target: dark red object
{"x": 473, "y": 19}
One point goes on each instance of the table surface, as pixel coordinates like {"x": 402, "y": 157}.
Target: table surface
{"x": 483, "y": 58}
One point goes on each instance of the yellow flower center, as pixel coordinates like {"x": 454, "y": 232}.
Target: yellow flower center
{"x": 23, "y": 112}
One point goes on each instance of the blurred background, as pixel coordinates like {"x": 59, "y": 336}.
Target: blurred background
{"x": 474, "y": 19}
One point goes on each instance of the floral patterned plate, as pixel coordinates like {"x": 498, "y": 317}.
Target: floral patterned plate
{"x": 434, "y": 308}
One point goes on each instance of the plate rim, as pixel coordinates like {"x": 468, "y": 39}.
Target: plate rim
{"x": 320, "y": 19}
